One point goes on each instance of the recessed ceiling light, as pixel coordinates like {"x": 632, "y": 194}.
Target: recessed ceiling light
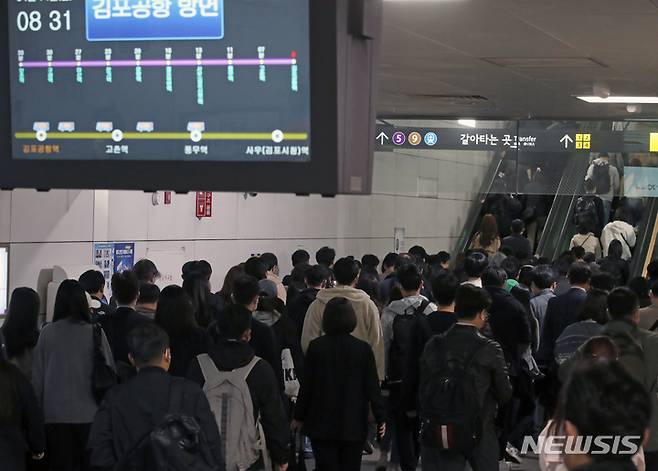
{"x": 469, "y": 123}
{"x": 624, "y": 100}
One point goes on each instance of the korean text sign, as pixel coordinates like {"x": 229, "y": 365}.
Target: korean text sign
{"x": 151, "y": 20}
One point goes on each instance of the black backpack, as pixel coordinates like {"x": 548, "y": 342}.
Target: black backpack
{"x": 450, "y": 408}
{"x": 601, "y": 177}
{"x": 176, "y": 444}
{"x": 399, "y": 349}
{"x": 585, "y": 212}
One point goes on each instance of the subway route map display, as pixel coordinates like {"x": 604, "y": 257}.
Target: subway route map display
{"x": 160, "y": 80}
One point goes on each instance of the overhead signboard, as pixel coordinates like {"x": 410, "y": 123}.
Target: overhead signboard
{"x": 515, "y": 139}
{"x": 188, "y": 94}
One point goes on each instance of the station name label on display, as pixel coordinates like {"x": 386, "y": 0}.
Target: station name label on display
{"x": 390, "y": 137}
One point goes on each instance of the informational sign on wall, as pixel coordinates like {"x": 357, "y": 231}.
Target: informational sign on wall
{"x": 204, "y": 204}
{"x": 114, "y": 257}
{"x": 640, "y": 182}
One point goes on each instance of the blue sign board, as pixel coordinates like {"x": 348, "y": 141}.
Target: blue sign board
{"x": 124, "y": 257}
{"x": 152, "y": 20}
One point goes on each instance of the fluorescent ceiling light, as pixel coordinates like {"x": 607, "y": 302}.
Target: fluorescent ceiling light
{"x": 469, "y": 123}
{"x": 624, "y": 100}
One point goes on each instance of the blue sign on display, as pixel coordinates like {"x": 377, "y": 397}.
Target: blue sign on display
{"x": 152, "y": 20}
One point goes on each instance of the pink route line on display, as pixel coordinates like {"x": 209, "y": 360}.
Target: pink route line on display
{"x": 156, "y": 63}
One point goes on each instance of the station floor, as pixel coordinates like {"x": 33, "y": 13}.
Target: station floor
{"x": 530, "y": 463}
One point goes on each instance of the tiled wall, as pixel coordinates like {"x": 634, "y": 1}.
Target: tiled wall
{"x": 427, "y": 193}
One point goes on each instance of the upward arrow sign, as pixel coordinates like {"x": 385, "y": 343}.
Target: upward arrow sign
{"x": 566, "y": 140}
{"x": 381, "y": 138}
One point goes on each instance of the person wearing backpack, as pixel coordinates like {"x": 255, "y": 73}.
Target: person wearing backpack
{"x": 606, "y": 180}
{"x": 124, "y": 435}
{"x": 244, "y": 395}
{"x": 463, "y": 380}
{"x": 589, "y": 210}
{"x": 398, "y": 319}
{"x": 339, "y": 388}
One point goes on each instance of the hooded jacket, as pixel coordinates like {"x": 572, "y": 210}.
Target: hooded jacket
{"x": 368, "y": 325}
{"x": 230, "y": 355}
{"x": 406, "y": 306}
{"x": 286, "y": 334}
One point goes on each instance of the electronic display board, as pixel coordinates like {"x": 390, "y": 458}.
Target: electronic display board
{"x": 228, "y": 95}
{"x": 160, "y": 80}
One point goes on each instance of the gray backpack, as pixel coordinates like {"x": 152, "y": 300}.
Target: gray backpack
{"x": 242, "y": 438}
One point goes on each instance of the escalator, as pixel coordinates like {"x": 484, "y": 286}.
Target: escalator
{"x": 560, "y": 228}
{"x": 474, "y": 214}
{"x": 565, "y": 187}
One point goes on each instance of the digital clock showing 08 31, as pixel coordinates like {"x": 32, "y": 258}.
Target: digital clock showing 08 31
{"x": 34, "y": 20}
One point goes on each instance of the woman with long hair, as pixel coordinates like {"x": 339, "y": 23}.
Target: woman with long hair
{"x": 62, "y": 377}
{"x": 21, "y": 328}
{"x": 488, "y": 237}
{"x": 21, "y": 421}
{"x": 175, "y": 314}
{"x": 198, "y": 289}
{"x": 229, "y": 282}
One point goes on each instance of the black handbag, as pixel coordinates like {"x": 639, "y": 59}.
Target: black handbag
{"x": 104, "y": 377}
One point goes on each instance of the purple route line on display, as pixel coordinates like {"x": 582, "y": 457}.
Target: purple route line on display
{"x": 156, "y": 63}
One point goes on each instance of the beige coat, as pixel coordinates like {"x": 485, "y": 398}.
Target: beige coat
{"x": 368, "y": 325}
{"x": 281, "y": 292}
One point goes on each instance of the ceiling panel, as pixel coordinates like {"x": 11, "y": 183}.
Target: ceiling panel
{"x": 439, "y": 48}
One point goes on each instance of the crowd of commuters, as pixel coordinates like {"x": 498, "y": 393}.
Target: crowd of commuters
{"x": 442, "y": 364}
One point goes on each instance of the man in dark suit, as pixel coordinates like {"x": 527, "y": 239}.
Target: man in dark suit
{"x": 562, "y": 311}
{"x": 117, "y": 326}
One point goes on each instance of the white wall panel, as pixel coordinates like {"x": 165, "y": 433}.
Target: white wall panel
{"x": 41, "y": 226}
{"x": 27, "y": 260}
{"x": 54, "y": 216}
{"x": 127, "y": 216}
{"x": 5, "y": 216}
{"x": 354, "y": 216}
{"x": 382, "y": 210}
